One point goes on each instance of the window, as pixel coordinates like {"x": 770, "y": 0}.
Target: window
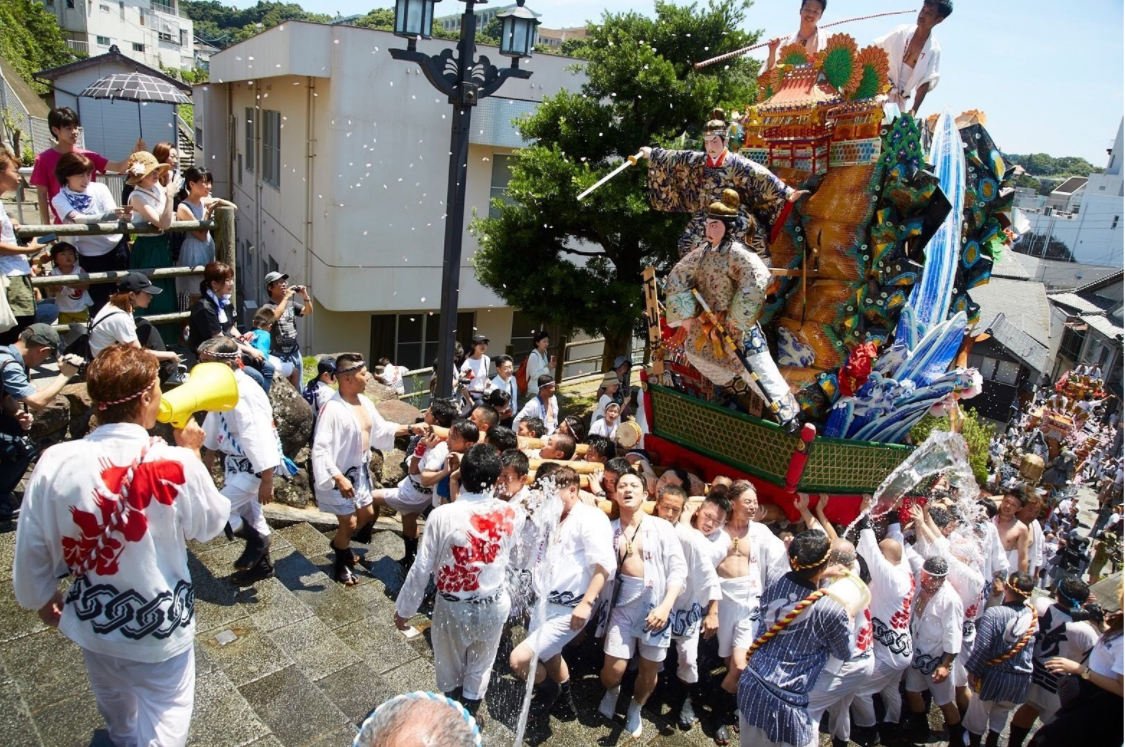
{"x": 1115, "y": 218}
{"x": 70, "y": 4}
{"x": 183, "y": 38}
{"x": 411, "y": 340}
{"x": 104, "y": 41}
{"x": 988, "y": 368}
{"x": 121, "y": 7}
{"x": 271, "y": 148}
{"x": 168, "y": 38}
{"x": 249, "y": 146}
{"x": 142, "y": 12}
{"x": 103, "y": 7}
{"x": 501, "y": 175}
{"x": 240, "y": 169}
{"x": 524, "y": 327}
{"x": 1007, "y": 372}
{"x": 138, "y": 47}
{"x": 199, "y": 138}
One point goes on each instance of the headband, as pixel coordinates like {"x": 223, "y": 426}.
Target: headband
{"x": 935, "y": 574}
{"x": 477, "y": 740}
{"x": 106, "y": 405}
{"x": 798, "y": 567}
{"x": 356, "y": 367}
{"x": 227, "y": 356}
{"x": 1018, "y": 590}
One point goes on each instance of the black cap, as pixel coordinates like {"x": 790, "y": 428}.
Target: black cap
{"x": 326, "y": 365}
{"x": 545, "y": 380}
{"x": 478, "y": 339}
{"x": 135, "y": 282}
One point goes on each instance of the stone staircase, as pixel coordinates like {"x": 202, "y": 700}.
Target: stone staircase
{"x": 296, "y": 660}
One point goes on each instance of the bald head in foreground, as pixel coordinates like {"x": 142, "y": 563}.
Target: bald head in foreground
{"x": 419, "y": 720}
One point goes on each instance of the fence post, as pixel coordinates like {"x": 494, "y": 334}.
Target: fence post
{"x": 224, "y": 240}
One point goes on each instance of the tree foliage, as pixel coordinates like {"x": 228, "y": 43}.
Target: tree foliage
{"x": 30, "y": 39}
{"x": 976, "y": 432}
{"x": 578, "y": 265}
{"x": 383, "y": 19}
{"x": 223, "y": 25}
{"x": 1041, "y": 164}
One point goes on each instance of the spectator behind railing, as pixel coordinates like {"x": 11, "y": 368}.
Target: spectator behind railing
{"x": 13, "y": 257}
{"x": 151, "y": 200}
{"x": 213, "y": 316}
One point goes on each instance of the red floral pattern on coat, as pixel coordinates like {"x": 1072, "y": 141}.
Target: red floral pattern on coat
{"x": 866, "y": 633}
{"x": 901, "y": 619}
{"x": 157, "y": 480}
{"x": 485, "y": 539}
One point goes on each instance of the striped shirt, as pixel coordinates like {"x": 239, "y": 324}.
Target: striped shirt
{"x": 998, "y": 632}
{"x": 773, "y": 693}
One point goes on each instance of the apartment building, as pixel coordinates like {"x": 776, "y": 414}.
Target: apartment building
{"x": 154, "y": 32}
{"x": 337, "y": 157}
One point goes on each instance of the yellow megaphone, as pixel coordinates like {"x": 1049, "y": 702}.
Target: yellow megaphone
{"x": 211, "y": 387}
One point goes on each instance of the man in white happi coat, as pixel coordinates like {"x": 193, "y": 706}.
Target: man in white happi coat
{"x": 113, "y": 510}
{"x": 251, "y": 452}
{"x": 914, "y": 53}
{"x": 348, "y": 428}
{"x": 466, "y": 547}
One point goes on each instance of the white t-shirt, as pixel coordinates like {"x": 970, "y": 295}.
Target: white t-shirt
{"x": 432, "y": 460}
{"x": 477, "y": 371}
{"x": 11, "y": 264}
{"x": 111, "y": 326}
{"x": 101, "y": 203}
{"x": 1107, "y": 657}
{"x": 67, "y": 299}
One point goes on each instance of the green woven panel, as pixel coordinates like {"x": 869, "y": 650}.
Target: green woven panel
{"x": 764, "y": 450}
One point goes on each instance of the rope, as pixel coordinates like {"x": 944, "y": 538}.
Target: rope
{"x": 1021, "y": 644}
{"x": 104, "y": 405}
{"x": 119, "y": 509}
{"x": 784, "y": 622}
{"x": 798, "y": 567}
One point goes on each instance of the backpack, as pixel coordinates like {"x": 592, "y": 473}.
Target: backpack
{"x": 521, "y": 377}
{"x": 81, "y": 346}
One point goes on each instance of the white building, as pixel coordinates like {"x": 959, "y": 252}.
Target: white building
{"x": 1095, "y": 233}
{"x": 155, "y": 32}
{"x": 337, "y": 157}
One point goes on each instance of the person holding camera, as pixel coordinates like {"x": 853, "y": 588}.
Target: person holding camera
{"x": 20, "y": 397}
{"x": 114, "y": 511}
{"x": 285, "y": 344}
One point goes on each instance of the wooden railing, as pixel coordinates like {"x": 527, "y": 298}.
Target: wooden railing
{"x": 222, "y": 224}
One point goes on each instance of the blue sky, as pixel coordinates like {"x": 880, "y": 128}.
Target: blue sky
{"x": 1048, "y": 74}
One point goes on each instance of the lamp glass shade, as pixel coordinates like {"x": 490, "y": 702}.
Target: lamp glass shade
{"x": 517, "y": 32}
{"x": 414, "y": 18}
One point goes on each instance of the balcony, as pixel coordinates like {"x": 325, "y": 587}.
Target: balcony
{"x": 169, "y": 9}
{"x": 79, "y": 47}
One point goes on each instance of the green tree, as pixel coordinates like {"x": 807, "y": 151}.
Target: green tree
{"x": 30, "y": 39}
{"x": 578, "y": 265}
{"x": 223, "y": 25}
{"x": 976, "y": 432}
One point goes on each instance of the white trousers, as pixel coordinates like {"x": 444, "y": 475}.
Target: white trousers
{"x": 834, "y": 693}
{"x": 244, "y": 508}
{"x": 987, "y": 715}
{"x": 752, "y": 736}
{"x": 884, "y": 681}
{"x": 687, "y": 658}
{"x": 465, "y": 638}
{"x": 144, "y": 705}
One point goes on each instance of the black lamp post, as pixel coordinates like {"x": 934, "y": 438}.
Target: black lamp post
{"x": 465, "y": 81}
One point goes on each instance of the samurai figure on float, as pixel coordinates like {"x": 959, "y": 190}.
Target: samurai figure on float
{"x": 714, "y": 294}
{"x": 687, "y": 181}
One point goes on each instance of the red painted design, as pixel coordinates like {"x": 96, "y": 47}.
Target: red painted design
{"x": 485, "y": 538}
{"x": 901, "y": 619}
{"x": 866, "y": 633}
{"x": 159, "y": 480}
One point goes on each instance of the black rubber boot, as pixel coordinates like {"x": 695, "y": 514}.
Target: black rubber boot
{"x": 864, "y": 736}
{"x": 974, "y": 739}
{"x": 956, "y": 734}
{"x": 686, "y": 709}
{"x": 1017, "y": 736}
{"x": 260, "y": 571}
{"x": 474, "y": 709}
{"x": 411, "y": 551}
{"x": 364, "y": 534}
{"x": 564, "y": 709}
{"x": 993, "y": 739}
{"x": 257, "y": 545}
{"x": 544, "y": 699}
{"x": 343, "y": 566}
{"x": 917, "y": 728}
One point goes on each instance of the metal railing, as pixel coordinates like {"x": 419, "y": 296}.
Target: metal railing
{"x": 168, "y": 9}
{"x": 78, "y": 46}
{"x": 223, "y": 225}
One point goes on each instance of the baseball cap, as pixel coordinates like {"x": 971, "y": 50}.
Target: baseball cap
{"x": 326, "y": 365}
{"x": 135, "y": 282}
{"x": 477, "y": 339}
{"x": 545, "y": 380}
{"x": 273, "y": 277}
{"x": 43, "y": 334}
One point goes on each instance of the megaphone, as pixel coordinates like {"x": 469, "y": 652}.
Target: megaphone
{"x": 211, "y": 387}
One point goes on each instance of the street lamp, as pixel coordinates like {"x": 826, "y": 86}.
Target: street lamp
{"x": 465, "y": 80}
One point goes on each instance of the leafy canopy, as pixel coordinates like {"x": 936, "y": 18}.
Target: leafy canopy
{"x": 30, "y": 39}
{"x": 578, "y": 265}
{"x": 224, "y": 25}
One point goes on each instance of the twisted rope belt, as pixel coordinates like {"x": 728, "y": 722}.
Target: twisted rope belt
{"x": 784, "y": 622}
{"x": 1021, "y": 644}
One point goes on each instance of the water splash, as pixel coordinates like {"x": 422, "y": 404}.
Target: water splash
{"x": 942, "y": 454}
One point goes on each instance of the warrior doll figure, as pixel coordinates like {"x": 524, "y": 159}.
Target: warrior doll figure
{"x": 732, "y": 281}
{"x": 686, "y": 181}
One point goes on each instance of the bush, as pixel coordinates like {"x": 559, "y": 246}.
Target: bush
{"x": 974, "y": 430}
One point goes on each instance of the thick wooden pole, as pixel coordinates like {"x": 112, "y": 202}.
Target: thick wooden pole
{"x": 224, "y": 241}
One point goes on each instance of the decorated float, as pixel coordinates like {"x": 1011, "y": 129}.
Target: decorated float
{"x": 870, "y": 279}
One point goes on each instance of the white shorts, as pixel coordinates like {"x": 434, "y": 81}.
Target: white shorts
{"x": 548, "y": 640}
{"x": 407, "y": 502}
{"x": 621, "y": 641}
{"x": 916, "y": 682}
{"x": 340, "y": 506}
{"x": 1046, "y": 702}
{"x": 738, "y": 614}
{"x": 687, "y": 658}
{"x": 465, "y": 638}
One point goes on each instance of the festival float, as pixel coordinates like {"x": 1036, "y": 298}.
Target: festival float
{"x": 868, "y": 299}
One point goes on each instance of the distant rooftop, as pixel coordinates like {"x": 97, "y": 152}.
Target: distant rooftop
{"x": 1071, "y": 185}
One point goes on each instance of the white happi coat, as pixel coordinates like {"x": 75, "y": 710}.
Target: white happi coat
{"x": 702, "y": 586}
{"x": 136, "y": 601}
{"x": 892, "y": 595}
{"x": 338, "y": 447}
{"x": 246, "y": 435}
{"x": 905, "y": 80}
{"x": 937, "y": 629}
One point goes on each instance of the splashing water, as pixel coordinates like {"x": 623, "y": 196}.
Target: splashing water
{"x": 543, "y": 510}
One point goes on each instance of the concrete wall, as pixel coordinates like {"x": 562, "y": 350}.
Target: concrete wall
{"x": 364, "y": 144}
{"x": 128, "y": 22}
{"x": 1093, "y": 235}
